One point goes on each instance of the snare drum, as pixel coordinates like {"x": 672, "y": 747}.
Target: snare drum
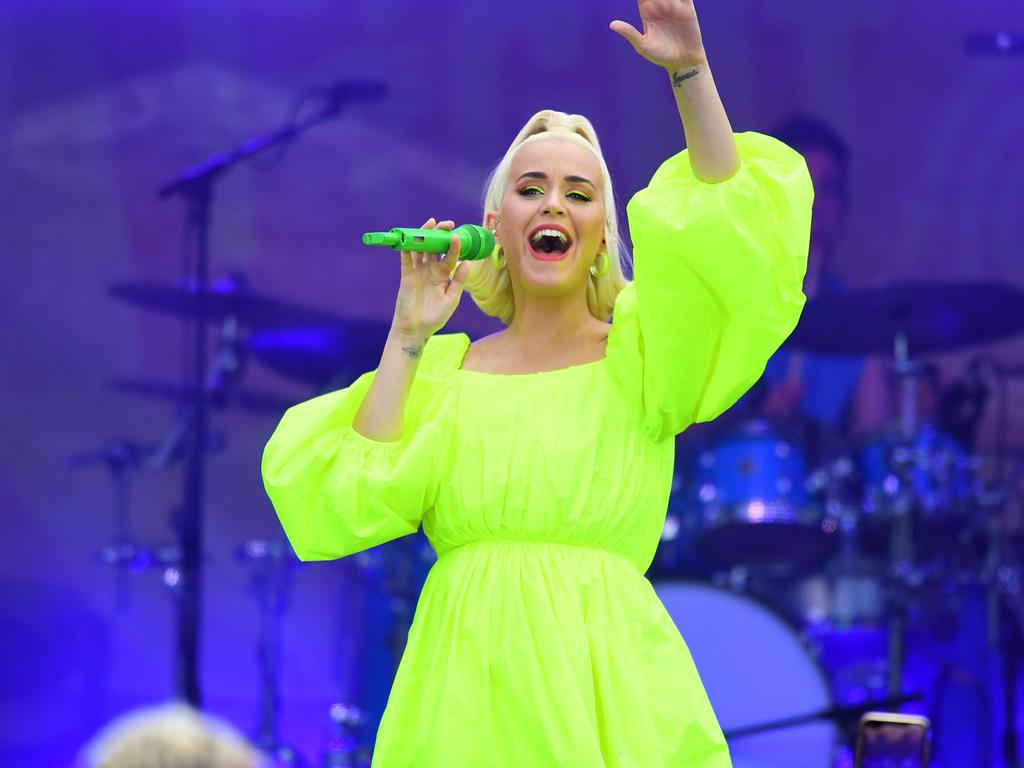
{"x": 748, "y": 502}
{"x": 756, "y": 670}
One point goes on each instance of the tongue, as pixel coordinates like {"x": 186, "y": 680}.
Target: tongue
{"x": 551, "y": 244}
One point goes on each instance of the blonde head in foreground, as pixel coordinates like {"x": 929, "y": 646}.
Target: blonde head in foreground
{"x": 172, "y": 735}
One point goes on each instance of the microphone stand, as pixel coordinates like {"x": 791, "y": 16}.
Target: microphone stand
{"x": 196, "y": 186}
{"x": 901, "y": 534}
{"x": 1003, "y": 579}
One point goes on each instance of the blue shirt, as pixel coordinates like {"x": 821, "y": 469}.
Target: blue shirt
{"x": 830, "y": 383}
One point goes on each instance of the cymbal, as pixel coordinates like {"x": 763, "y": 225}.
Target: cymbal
{"x": 934, "y": 317}
{"x": 318, "y": 355}
{"x": 240, "y": 397}
{"x": 225, "y": 297}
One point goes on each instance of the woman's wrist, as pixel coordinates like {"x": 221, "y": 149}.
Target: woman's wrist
{"x": 410, "y": 343}
{"x": 682, "y": 68}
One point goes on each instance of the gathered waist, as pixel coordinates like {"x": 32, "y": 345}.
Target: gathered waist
{"x": 511, "y": 542}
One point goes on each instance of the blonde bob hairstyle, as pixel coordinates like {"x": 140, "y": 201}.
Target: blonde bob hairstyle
{"x": 491, "y": 288}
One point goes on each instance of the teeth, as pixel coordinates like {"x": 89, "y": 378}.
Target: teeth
{"x": 549, "y": 233}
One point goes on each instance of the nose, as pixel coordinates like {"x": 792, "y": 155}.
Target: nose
{"x": 553, "y": 205}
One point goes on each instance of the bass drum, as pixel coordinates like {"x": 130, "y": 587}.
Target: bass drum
{"x": 755, "y": 670}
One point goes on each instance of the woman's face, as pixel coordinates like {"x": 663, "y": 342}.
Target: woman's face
{"x": 551, "y": 219}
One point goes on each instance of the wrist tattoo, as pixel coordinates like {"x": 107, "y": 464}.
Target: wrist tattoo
{"x": 413, "y": 352}
{"x": 679, "y": 77}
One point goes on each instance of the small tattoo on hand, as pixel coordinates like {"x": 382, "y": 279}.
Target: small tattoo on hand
{"x": 413, "y": 352}
{"x": 679, "y": 77}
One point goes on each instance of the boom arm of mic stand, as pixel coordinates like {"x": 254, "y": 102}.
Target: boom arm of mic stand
{"x": 202, "y": 173}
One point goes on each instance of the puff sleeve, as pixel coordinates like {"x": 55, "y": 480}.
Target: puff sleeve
{"x": 338, "y": 492}
{"x": 718, "y": 274}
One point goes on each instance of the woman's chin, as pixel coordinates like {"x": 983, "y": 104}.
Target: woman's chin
{"x": 549, "y": 279}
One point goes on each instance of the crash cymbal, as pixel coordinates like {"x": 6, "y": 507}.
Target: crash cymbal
{"x": 317, "y": 355}
{"x": 239, "y": 397}
{"x": 933, "y": 317}
{"x": 227, "y": 296}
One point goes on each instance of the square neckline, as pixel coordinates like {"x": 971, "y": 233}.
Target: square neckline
{"x": 459, "y": 369}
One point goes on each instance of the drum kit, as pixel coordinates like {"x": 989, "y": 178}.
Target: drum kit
{"x": 811, "y": 564}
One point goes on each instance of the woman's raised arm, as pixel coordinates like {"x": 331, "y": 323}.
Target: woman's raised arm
{"x": 671, "y": 39}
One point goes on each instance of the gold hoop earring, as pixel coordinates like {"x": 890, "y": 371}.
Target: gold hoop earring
{"x": 498, "y": 258}
{"x": 604, "y": 269}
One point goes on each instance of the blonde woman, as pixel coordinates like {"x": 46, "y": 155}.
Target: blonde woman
{"x": 539, "y": 459}
{"x": 170, "y": 735}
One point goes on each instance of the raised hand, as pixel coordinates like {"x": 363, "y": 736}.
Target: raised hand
{"x": 671, "y": 37}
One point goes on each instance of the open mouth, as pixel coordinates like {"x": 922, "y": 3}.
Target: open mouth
{"x": 550, "y": 243}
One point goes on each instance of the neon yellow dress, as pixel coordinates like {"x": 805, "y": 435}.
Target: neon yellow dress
{"x": 537, "y": 640}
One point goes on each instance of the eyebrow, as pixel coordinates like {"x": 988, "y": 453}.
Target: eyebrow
{"x": 539, "y": 175}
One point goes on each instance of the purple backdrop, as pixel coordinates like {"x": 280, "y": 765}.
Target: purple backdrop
{"x": 100, "y": 101}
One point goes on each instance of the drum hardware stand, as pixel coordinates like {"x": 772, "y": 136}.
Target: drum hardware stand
{"x": 122, "y": 457}
{"x": 1003, "y": 584}
{"x": 272, "y": 561}
{"x": 1005, "y": 587}
{"x": 838, "y": 714}
{"x": 196, "y": 185}
{"x": 127, "y": 554}
{"x": 343, "y": 748}
{"x": 901, "y": 535}
{"x": 401, "y": 593}
{"x": 1002, "y": 575}
{"x": 400, "y": 585}
{"x": 1012, "y": 641}
{"x": 735, "y": 579}
{"x": 225, "y": 373}
{"x": 393, "y": 567}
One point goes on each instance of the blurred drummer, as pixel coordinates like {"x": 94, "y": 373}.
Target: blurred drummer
{"x": 843, "y": 394}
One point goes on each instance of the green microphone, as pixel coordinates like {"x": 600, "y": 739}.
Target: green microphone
{"x": 475, "y": 242}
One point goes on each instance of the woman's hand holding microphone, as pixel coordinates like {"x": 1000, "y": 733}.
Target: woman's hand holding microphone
{"x": 427, "y": 297}
{"x": 430, "y": 289}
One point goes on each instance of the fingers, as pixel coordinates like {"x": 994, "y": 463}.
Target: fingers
{"x": 415, "y": 257}
{"x": 627, "y": 30}
{"x": 450, "y": 257}
{"x": 419, "y": 257}
{"x": 460, "y": 274}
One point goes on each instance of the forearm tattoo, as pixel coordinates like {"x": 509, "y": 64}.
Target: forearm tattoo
{"x": 413, "y": 352}
{"x": 678, "y": 78}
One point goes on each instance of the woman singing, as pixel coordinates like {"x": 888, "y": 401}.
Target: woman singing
{"x": 539, "y": 459}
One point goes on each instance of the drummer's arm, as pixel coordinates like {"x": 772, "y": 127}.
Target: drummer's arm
{"x": 871, "y": 401}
